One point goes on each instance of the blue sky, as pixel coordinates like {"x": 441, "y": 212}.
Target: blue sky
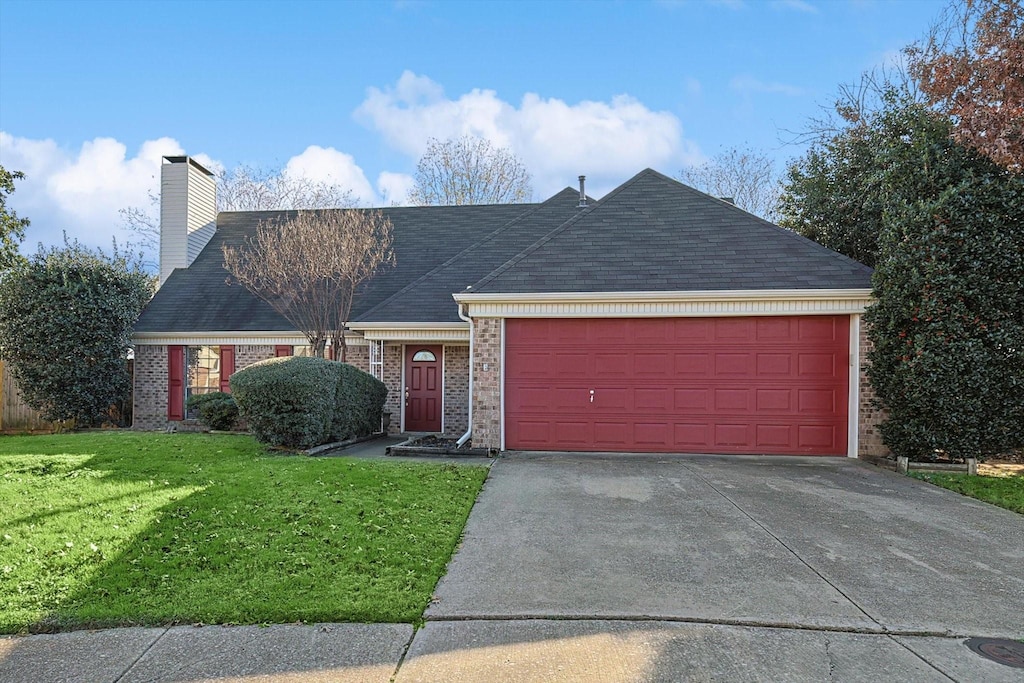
{"x": 93, "y": 93}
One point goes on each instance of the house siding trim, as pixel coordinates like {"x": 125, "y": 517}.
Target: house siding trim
{"x": 233, "y": 338}
{"x": 413, "y": 332}
{"x": 667, "y": 304}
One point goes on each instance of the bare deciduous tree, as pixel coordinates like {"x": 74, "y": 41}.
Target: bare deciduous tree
{"x": 469, "y": 170}
{"x": 747, "y": 177}
{"x": 308, "y": 267}
{"x": 244, "y": 188}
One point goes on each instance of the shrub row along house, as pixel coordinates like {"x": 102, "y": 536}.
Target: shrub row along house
{"x": 657, "y": 319}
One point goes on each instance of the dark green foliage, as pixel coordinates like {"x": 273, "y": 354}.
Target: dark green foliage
{"x": 833, "y": 195}
{"x": 948, "y": 325}
{"x": 12, "y": 228}
{"x": 288, "y": 401}
{"x": 66, "y": 319}
{"x": 217, "y": 410}
{"x": 360, "y": 404}
{"x": 301, "y": 402}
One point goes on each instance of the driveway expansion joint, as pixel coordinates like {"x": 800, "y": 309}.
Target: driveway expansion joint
{"x": 749, "y": 623}
{"x": 142, "y": 654}
{"x": 930, "y": 664}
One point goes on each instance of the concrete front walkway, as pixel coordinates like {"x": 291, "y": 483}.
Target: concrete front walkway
{"x": 645, "y": 568}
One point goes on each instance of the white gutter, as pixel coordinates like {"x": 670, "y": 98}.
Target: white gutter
{"x": 469, "y": 428}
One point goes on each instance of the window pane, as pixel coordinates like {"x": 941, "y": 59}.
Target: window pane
{"x": 424, "y": 355}
{"x": 203, "y": 363}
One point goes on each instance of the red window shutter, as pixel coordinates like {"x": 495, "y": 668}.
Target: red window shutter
{"x": 227, "y": 367}
{"x": 175, "y": 382}
{"x": 282, "y": 351}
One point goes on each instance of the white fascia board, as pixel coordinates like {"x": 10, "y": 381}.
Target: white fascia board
{"x": 667, "y": 304}
{"x": 271, "y": 338}
{"x": 413, "y": 332}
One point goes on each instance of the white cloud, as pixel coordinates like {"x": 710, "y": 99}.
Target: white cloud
{"x": 796, "y": 5}
{"x": 394, "y": 188}
{"x": 80, "y": 191}
{"x": 607, "y": 141}
{"x": 328, "y": 165}
{"x": 748, "y": 85}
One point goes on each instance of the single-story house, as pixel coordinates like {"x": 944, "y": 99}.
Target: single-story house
{"x": 656, "y": 319}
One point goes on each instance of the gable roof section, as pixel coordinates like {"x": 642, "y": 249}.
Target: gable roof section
{"x": 429, "y": 298}
{"x": 199, "y": 299}
{"x": 655, "y": 234}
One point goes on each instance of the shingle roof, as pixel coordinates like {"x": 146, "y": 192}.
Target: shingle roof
{"x": 429, "y": 298}
{"x": 198, "y": 298}
{"x": 650, "y": 234}
{"x": 653, "y": 233}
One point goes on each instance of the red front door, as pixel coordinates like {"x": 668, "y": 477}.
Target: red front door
{"x": 423, "y": 388}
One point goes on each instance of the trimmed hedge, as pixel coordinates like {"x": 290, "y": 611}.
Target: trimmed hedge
{"x": 301, "y": 402}
{"x": 360, "y": 404}
{"x": 216, "y": 409}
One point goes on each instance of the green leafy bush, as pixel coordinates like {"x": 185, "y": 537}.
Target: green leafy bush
{"x": 66, "y": 318}
{"x": 360, "y": 404}
{"x": 948, "y": 325}
{"x": 216, "y": 410}
{"x": 301, "y": 402}
{"x": 288, "y": 401}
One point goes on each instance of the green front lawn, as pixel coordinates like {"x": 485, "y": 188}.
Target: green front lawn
{"x": 117, "y": 528}
{"x": 1006, "y": 492}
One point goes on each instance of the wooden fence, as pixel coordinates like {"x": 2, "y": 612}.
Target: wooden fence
{"x": 14, "y": 414}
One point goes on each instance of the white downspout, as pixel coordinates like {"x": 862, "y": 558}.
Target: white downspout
{"x": 469, "y": 431}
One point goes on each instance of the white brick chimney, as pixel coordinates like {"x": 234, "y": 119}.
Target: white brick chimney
{"x": 188, "y": 212}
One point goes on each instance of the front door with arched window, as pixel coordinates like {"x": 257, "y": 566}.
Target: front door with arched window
{"x": 423, "y": 388}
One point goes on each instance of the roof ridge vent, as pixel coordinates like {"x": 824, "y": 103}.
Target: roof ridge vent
{"x": 583, "y": 193}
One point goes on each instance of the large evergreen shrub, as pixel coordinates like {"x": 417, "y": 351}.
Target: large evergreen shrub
{"x": 66, "y": 318}
{"x": 948, "y": 325}
{"x": 301, "y": 402}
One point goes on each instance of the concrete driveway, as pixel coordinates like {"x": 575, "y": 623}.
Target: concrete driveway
{"x": 731, "y": 568}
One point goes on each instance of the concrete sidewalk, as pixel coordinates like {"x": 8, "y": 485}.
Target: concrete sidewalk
{"x": 485, "y": 651}
{"x": 343, "y": 653}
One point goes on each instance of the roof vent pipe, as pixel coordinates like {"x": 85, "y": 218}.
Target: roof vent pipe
{"x": 583, "y": 194}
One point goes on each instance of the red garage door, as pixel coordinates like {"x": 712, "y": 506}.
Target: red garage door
{"x": 689, "y": 385}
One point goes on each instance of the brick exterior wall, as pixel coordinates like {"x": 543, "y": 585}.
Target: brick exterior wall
{"x": 869, "y": 438}
{"x": 359, "y": 356}
{"x": 487, "y": 382}
{"x": 251, "y": 353}
{"x": 149, "y": 396}
{"x": 393, "y": 380}
{"x": 456, "y": 390}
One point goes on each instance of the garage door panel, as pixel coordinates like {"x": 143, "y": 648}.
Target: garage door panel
{"x": 658, "y": 401}
{"x": 773, "y": 401}
{"x": 716, "y": 385}
{"x": 773, "y": 436}
{"x": 732, "y": 400}
{"x": 608, "y": 364}
{"x": 614, "y": 434}
{"x": 774, "y": 329}
{"x": 814, "y": 328}
{"x": 648, "y": 434}
{"x": 651, "y": 364}
{"x": 734, "y": 364}
{"x": 736, "y": 434}
{"x": 691, "y": 400}
{"x": 777, "y": 364}
{"x": 815, "y": 436}
{"x": 691, "y": 435}
{"x": 690, "y": 330}
{"x": 692, "y": 364}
